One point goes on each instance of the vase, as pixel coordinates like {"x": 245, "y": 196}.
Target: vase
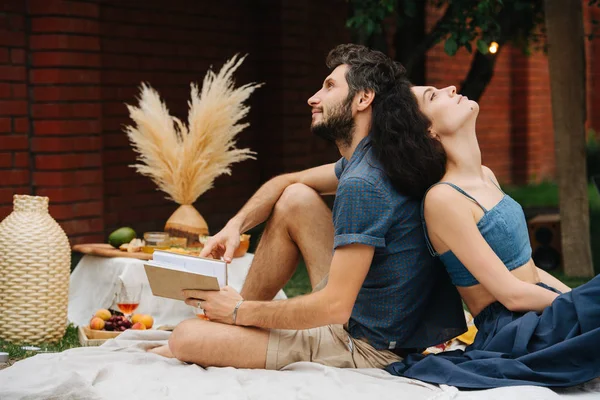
{"x": 35, "y": 261}
{"x": 187, "y": 222}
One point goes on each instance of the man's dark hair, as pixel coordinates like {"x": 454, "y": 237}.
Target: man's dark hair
{"x": 412, "y": 159}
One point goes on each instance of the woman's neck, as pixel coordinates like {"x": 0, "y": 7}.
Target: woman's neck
{"x": 464, "y": 155}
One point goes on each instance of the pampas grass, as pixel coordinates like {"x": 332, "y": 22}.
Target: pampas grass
{"x": 184, "y": 159}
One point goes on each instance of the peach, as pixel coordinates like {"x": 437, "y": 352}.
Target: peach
{"x": 103, "y": 313}
{"x": 136, "y": 318}
{"x": 147, "y": 320}
{"x": 139, "y": 326}
{"x": 97, "y": 323}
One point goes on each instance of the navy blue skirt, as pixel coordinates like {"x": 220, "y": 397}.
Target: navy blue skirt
{"x": 558, "y": 348}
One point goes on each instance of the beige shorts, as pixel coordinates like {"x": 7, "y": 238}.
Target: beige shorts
{"x": 329, "y": 345}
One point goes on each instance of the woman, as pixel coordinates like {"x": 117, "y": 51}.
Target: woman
{"x": 532, "y": 329}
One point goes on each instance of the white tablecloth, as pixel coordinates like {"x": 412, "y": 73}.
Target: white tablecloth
{"x": 95, "y": 281}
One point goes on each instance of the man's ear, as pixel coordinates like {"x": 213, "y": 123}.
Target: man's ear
{"x": 365, "y": 99}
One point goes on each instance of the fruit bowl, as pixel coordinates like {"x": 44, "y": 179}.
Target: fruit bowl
{"x": 99, "y": 334}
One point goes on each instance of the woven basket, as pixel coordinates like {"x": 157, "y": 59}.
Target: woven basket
{"x": 35, "y": 261}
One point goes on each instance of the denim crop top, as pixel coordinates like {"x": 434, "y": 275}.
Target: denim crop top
{"x": 503, "y": 227}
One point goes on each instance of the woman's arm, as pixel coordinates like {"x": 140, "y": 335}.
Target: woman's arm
{"x": 552, "y": 281}
{"x": 544, "y": 276}
{"x": 452, "y": 223}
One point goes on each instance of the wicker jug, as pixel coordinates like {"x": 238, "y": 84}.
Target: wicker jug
{"x": 34, "y": 273}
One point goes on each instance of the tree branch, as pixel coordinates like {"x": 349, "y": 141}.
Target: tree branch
{"x": 429, "y": 40}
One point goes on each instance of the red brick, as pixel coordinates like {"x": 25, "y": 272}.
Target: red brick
{"x": 71, "y": 194}
{"x": 64, "y": 25}
{"x": 19, "y": 91}
{"x": 21, "y": 159}
{"x": 13, "y": 107}
{"x": 52, "y": 59}
{"x": 16, "y": 22}
{"x": 5, "y": 92}
{"x": 119, "y": 156}
{"x": 17, "y": 56}
{"x": 78, "y": 110}
{"x": 12, "y": 73}
{"x": 66, "y": 93}
{"x": 6, "y": 193}
{"x": 14, "y": 142}
{"x": 4, "y": 56}
{"x": 14, "y": 6}
{"x": 67, "y": 161}
{"x": 5, "y": 162}
{"x": 66, "y": 144}
{"x": 15, "y": 177}
{"x": 5, "y": 211}
{"x": 78, "y": 226}
{"x": 56, "y": 76}
{"x": 98, "y": 238}
{"x": 66, "y": 127}
{"x": 77, "y": 210}
{"x": 21, "y": 125}
{"x": 64, "y": 7}
{"x": 60, "y": 42}
{"x": 12, "y": 38}
{"x": 5, "y": 125}
{"x": 68, "y": 178}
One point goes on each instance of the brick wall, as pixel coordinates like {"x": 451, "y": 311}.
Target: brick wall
{"x": 15, "y": 157}
{"x": 67, "y": 67}
{"x": 515, "y": 129}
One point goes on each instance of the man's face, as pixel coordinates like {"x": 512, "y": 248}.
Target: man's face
{"x": 332, "y": 113}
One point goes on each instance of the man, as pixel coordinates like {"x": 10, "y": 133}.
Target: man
{"x": 368, "y": 263}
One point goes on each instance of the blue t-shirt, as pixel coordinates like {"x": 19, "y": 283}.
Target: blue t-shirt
{"x": 393, "y": 300}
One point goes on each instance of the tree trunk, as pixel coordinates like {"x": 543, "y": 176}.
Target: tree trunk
{"x": 566, "y": 58}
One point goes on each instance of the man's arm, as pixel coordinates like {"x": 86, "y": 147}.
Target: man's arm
{"x": 331, "y": 305}
{"x": 322, "y": 179}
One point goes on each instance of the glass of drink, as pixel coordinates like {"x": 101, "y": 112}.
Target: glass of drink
{"x": 128, "y": 298}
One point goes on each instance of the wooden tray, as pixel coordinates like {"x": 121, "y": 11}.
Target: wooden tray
{"x": 92, "y": 337}
{"x": 106, "y": 250}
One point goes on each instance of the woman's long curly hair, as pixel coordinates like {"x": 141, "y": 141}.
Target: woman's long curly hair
{"x": 411, "y": 157}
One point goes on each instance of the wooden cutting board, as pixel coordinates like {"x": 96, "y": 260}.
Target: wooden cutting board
{"x": 106, "y": 250}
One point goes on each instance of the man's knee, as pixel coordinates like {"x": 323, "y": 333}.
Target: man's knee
{"x": 184, "y": 336}
{"x": 297, "y": 197}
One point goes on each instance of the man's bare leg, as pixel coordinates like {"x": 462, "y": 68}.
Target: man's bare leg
{"x": 301, "y": 223}
{"x": 211, "y": 344}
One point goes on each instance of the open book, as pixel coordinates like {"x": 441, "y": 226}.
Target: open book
{"x": 170, "y": 273}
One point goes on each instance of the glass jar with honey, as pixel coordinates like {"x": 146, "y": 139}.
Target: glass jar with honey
{"x": 156, "y": 241}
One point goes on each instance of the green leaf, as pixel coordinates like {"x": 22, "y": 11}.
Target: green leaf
{"x": 469, "y": 47}
{"x": 410, "y": 9}
{"x": 450, "y": 47}
{"x": 482, "y": 46}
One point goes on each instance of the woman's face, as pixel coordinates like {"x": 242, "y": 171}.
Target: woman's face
{"x": 447, "y": 110}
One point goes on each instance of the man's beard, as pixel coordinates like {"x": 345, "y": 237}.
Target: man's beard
{"x": 338, "y": 127}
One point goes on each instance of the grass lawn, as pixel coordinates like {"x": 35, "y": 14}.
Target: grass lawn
{"x": 532, "y": 196}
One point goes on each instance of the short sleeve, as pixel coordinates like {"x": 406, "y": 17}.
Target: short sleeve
{"x": 362, "y": 214}
{"x": 339, "y": 167}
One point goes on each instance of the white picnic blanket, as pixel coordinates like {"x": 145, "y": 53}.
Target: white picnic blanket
{"x": 122, "y": 369}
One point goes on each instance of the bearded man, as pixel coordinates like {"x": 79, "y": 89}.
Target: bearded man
{"x": 377, "y": 292}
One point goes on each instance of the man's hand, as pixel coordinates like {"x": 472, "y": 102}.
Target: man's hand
{"x": 223, "y": 244}
{"x": 218, "y": 305}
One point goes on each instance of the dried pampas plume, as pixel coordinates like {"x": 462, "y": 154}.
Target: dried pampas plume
{"x": 184, "y": 160}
